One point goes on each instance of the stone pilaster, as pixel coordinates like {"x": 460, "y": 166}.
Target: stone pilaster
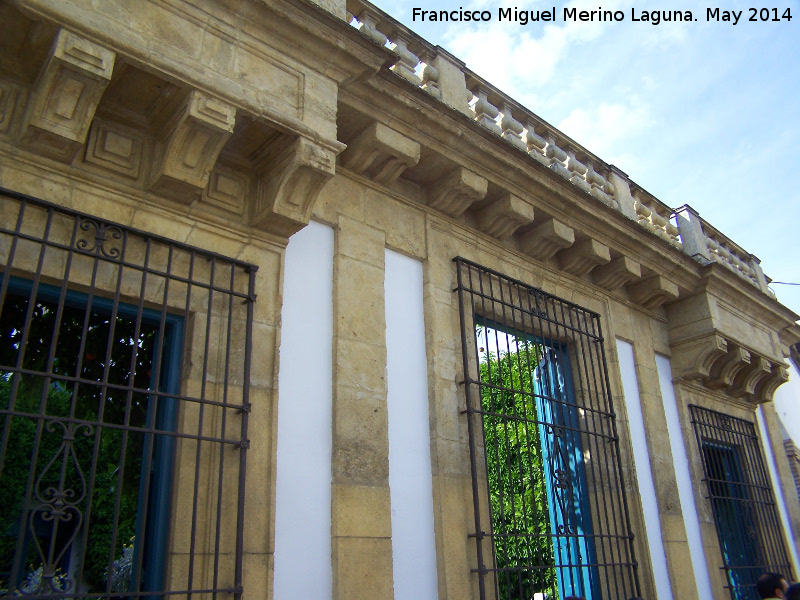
{"x": 361, "y": 516}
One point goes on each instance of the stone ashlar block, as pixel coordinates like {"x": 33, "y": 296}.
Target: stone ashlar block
{"x": 362, "y": 568}
{"x": 361, "y": 511}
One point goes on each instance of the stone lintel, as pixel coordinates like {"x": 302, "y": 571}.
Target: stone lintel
{"x": 652, "y": 293}
{"x": 381, "y": 153}
{"x": 504, "y": 216}
{"x": 544, "y": 240}
{"x": 620, "y": 271}
{"x": 289, "y": 186}
{"x": 750, "y": 376}
{"x": 584, "y": 256}
{"x": 457, "y": 191}
{"x": 725, "y": 369}
{"x": 65, "y": 96}
{"x": 188, "y": 151}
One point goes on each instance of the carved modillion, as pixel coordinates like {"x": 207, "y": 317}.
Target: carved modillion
{"x": 723, "y": 365}
{"x": 65, "y": 96}
{"x": 766, "y": 388}
{"x": 726, "y": 368}
{"x": 381, "y": 153}
{"x": 547, "y": 238}
{"x": 187, "y": 152}
{"x": 620, "y": 271}
{"x": 457, "y": 191}
{"x": 653, "y": 292}
{"x": 504, "y": 216}
{"x": 584, "y": 256}
{"x": 749, "y": 377}
{"x": 289, "y": 185}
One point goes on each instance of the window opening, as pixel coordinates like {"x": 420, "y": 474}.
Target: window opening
{"x": 551, "y": 517}
{"x": 124, "y": 395}
{"x": 742, "y": 501}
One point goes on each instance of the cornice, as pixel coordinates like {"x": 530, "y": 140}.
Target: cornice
{"x": 387, "y": 98}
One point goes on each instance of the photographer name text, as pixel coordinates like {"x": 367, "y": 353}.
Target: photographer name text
{"x": 652, "y": 17}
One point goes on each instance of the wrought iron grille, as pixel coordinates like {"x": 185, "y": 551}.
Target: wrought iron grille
{"x": 543, "y": 445}
{"x": 742, "y": 501}
{"x": 124, "y": 400}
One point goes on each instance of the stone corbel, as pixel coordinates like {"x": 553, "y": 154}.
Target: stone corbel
{"x": 747, "y": 379}
{"x": 766, "y": 388}
{"x": 584, "y": 256}
{"x": 653, "y": 292}
{"x": 65, "y": 96}
{"x": 289, "y": 186}
{"x": 725, "y": 369}
{"x": 457, "y": 191}
{"x": 381, "y": 153}
{"x": 185, "y": 156}
{"x": 544, "y": 240}
{"x": 618, "y": 272}
{"x": 504, "y": 216}
{"x": 696, "y": 358}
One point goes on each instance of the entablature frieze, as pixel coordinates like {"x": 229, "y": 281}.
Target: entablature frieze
{"x": 198, "y": 144}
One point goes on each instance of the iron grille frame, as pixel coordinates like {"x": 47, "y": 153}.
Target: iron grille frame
{"x": 50, "y": 247}
{"x": 751, "y": 499}
{"x": 522, "y": 311}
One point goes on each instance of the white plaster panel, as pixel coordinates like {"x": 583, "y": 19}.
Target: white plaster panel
{"x": 644, "y": 476}
{"x": 787, "y": 398}
{"x": 684, "y": 478}
{"x": 410, "y": 478}
{"x": 303, "y": 504}
{"x": 777, "y": 488}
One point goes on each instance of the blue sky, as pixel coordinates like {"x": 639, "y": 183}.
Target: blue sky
{"x": 701, "y": 113}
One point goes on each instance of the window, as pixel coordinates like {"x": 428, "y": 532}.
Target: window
{"x": 741, "y": 499}
{"x": 551, "y": 517}
{"x": 123, "y": 409}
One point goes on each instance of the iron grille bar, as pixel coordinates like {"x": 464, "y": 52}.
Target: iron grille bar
{"x": 742, "y": 502}
{"x": 124, "y": 384}
{"x": 543, "y": 445}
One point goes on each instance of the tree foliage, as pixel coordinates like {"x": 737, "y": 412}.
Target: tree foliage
{"x": 518, "y": 497}
{"x": 46, "y": 404}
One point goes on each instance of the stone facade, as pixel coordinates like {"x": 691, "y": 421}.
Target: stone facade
{"x": 229, "y": 125}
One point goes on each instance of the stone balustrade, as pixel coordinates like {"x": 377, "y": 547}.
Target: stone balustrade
{"x": 446, "y": 78}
